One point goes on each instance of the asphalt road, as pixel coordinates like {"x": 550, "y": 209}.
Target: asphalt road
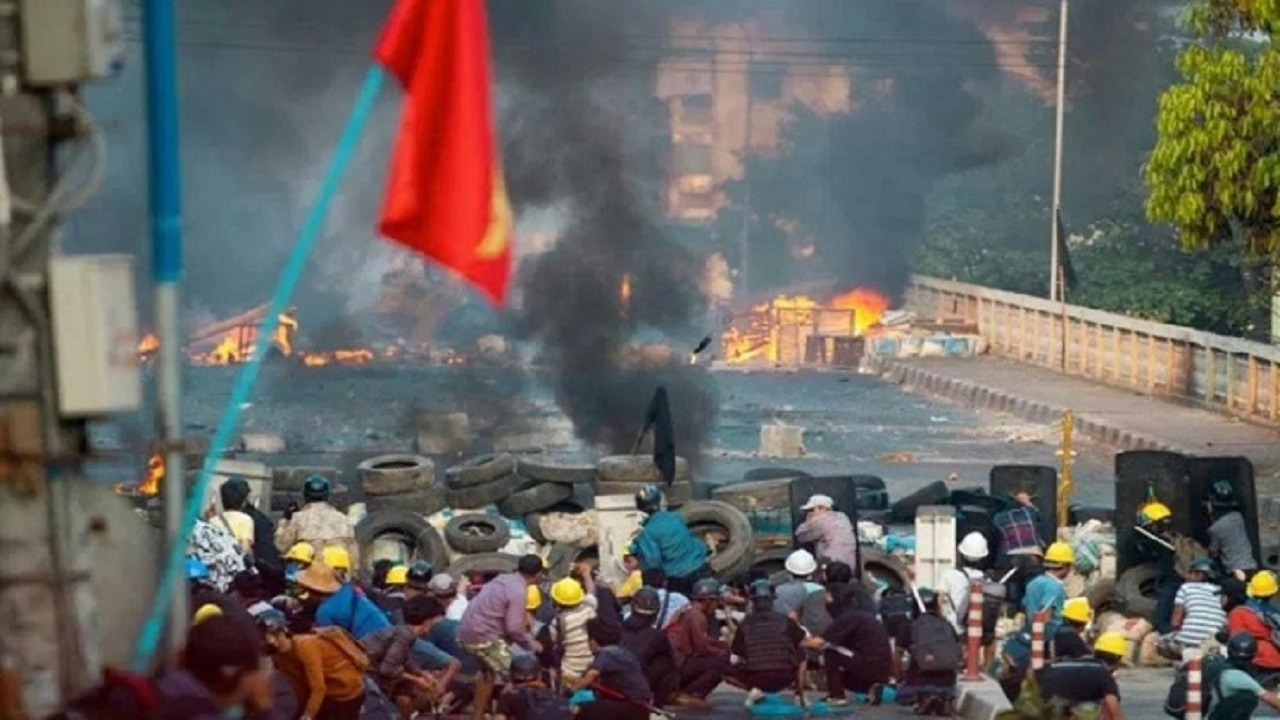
{"x": 853, "y": 423}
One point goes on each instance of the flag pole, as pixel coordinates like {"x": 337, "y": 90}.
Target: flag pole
{"x": 1054, "y": 261}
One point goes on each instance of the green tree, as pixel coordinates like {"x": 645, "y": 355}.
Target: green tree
{"x": 1214, "y": 173}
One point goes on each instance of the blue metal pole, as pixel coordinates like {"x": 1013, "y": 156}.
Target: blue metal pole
{"x": 165, "y": 176}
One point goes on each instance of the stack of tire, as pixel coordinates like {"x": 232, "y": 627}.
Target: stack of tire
{"x": 521, "y": 488}
{"x": 627, "y": 474}
{"x": 399, "y": 491}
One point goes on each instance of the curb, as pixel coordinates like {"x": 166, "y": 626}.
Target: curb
{"x": 919, "y": 380}
{"x": 981, "y": 700}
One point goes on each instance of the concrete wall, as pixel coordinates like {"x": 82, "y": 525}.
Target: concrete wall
{"x": 1234, "y": 376}
{"x": 109, "y": 574}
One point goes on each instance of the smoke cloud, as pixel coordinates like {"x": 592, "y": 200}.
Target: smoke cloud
{"x": 582, "y": 131}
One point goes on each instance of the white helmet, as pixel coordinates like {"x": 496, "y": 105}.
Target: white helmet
{"x": 974, "y": 546}
{"x": 801, "y": 563}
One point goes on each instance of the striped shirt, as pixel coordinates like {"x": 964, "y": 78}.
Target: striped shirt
{"x": 1203, "y": 616}
{"x": 577, "y": 651}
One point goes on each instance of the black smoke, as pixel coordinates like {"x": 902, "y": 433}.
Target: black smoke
{"x": 582, "y": 129}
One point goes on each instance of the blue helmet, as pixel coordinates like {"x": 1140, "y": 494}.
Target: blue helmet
{"x": 196, "y": 569}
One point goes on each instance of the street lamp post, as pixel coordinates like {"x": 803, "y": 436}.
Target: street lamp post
{"x": 1055, "y": 286}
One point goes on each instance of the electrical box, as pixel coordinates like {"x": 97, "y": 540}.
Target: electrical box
{"x": 935, "y": 543}
{"x": 66, "y": 42}
{"x": 95, "y": 331}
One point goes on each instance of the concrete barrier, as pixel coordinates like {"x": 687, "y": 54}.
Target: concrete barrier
{"x": 981, "y": 700}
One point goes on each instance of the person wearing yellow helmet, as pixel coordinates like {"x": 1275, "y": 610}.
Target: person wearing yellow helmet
{"x": 317, "y": 521}
{"x": 338, "y": 559}
{"x": 392, "y": 597}
{"x": 204, "y": 612}
{"x": 1086, "y": 681}
{"x": 1259, "y": 618}
{"x": 1153, "y": 542}
{"x": 1046, "y": 591}
{"x": 340, "y": 604}
{"x": 568, "y": 630}
{"x": 1069, "y": 641}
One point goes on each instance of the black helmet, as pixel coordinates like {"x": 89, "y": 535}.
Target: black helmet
{"x": 1242, "y": 648}
{"x": 646, "y": 601}
{"x": 706, "y": 589}
{"x": 420, "y": 574}
{"x": 649, "y": 499}
{"x": 315, "y": 489}
{"x": 272, "y": 619}
{"x": 525, "y": 668}
{"x": 761, "y": 590}
{"x": 1222, "y": 495}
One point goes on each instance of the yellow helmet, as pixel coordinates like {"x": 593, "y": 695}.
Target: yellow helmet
{"x": 568, "y": 593}
{"x": 301, "y": 553}
{"x": 1263, "y": 585}
{"x": 1059, "y": 553}
{"x": 1111, "y": 643}
{"x": 397, "y": 575}
{"x": 532, "y": 598}
{"x": 1077, "y": 610}
{"x": 336, "y": 558}
{"x": 1153, "y": 512}
{"x": 206, "y": 611}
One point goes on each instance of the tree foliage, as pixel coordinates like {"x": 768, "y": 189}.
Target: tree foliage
{"x": 1215, "y": 170}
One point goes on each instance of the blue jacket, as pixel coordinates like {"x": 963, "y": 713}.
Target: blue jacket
{"x": 1044, "y": 590}
{"x": 665, "y": 544}
{"x": 350, "y": 610}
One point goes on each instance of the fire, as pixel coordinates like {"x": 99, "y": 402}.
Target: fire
{"x": 358, "y": 356}
{"x": 148, "y": 344}
{"x": 624, "y": 294}
{"x": 149, "y": 485}
{"x": 868, "y": 306}
{"x": 780, "y": 330}
{"x": 236, "y": 345}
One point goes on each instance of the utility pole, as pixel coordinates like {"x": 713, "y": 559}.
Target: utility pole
{"x": 160, "y": 48}
{"x": 47, "y": 49}
{"x": 1055, "y": 288}
{"x": 41, "y": 641}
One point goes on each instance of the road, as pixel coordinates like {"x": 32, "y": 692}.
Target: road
{"x": 853, "y": 422}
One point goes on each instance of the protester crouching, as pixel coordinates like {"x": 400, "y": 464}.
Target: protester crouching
{"x": 615, "y": 677}
{"x": 325, "y": 669}
{"x": 641, "y": 636}
{"x": 494, "y": 618}
{"x": 929, "y": 682}
{"x": 767, "y": 646}
{"x": 665, "y": 543}
{"x": 703, "y": 661}
{"x": 391, "y": 661}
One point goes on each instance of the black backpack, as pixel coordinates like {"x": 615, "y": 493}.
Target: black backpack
{"x": 1211, "y": 667}
{"x": 544, "y": 704}
{"x": 897, "y": 604}
{"x": 934, "y": 646}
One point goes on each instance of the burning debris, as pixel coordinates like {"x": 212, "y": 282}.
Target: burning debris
{"x": 150, "y": 483}
{"x": 794, "y": 329}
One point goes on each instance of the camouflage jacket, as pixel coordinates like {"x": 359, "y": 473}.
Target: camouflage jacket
{"x": 322, "y": 525}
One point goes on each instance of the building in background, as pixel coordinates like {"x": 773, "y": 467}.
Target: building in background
{"x": 728, "y": 89}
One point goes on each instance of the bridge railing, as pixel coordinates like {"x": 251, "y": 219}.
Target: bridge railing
{"x": 1239, "y": 377}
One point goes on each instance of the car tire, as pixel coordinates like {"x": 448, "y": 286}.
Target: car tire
{"x": 637, "y": 469}
{"x": 474, "y": 497}
{"x": 422, "y": 502}
{"x": 735, "y": 557}
{"x": 474, "y": 533}
{"x": 935, "y": 493}
{"x": 490, "y": 563}
{"x": 755, "y": 495}
{"x": 534, "y": 498}
{"x": 1101, "y": 595}
{"x": 1135, "y": 590}
{"x": 480, "y": 470}
{"x": 395, "y": 474}
{"x": 427, "y": 543}
{"x": 880, "y": 568}
{"x": 550, "y": 467}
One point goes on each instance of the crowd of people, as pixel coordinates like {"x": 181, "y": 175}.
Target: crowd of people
{"x": 285, "y": 625}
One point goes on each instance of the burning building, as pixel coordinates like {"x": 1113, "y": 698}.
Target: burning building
{"x": 798, "y": 329}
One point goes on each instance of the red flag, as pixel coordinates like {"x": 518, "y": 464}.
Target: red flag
{"x": 445, "y": 194}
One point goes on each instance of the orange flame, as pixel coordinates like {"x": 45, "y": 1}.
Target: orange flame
{"x": 149, "y": 485}
{"x": 237, "y": 344}
{"x": 789, "y": 320}
{"x": 148, "y": 344}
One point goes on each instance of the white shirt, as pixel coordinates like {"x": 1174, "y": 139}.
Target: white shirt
{"x": 456, "y": 607}
{"x": 956, "y": 583}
